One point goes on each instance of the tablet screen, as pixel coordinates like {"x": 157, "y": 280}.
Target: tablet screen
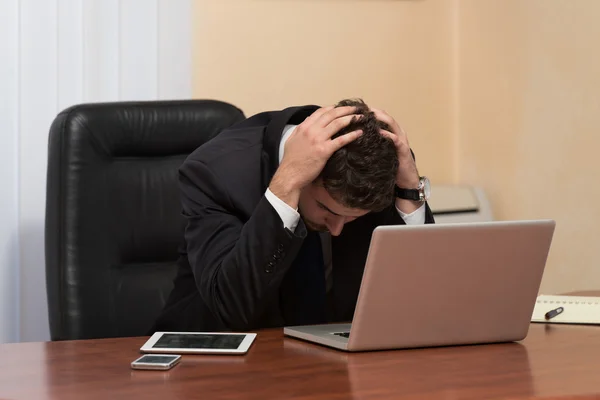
{"x": 198, "y": 341}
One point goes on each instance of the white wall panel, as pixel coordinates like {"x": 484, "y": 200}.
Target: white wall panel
{"x": 101, "y": 30}
{"x": 9, "y": 126}
{"x": 70, "y": 52}
{"x": 174, "y": 49}
{"x": 138, "y": 50}
{"x": 37, "y": 107}
{"x": 57, "y": 53}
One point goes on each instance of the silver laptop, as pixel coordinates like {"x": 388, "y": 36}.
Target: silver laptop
{"x": 439, "y": 285}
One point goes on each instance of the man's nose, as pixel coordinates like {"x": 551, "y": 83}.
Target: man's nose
{"x": 335, "y": 225}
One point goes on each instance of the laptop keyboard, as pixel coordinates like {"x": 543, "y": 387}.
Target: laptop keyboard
{"x": 342, "y": 334}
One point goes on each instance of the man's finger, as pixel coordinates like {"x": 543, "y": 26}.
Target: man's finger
{"x": 338, "y": 124}
{"x": 343, "y": 140}
{"x": 326, "y": 118}
{"x": 392, "y": 136}
{"x": 399, "y": 141}
{"x": 385, "y": 117}
{"x": 317, "y": 114}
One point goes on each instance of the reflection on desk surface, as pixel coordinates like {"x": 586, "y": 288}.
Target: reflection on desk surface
{"x": 552, "y": 362}
{"x": 474, "y": 371}
{"x": 565, "y": 360}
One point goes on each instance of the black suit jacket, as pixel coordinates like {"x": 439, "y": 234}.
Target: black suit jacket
{"x": 237, "y": 252}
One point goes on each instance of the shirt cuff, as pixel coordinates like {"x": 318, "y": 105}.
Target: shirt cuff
{"x": 288, "y": 215}
{"x": 416, "y": 217}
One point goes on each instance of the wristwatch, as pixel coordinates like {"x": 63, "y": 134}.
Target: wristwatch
{"x": 421, "y": 193}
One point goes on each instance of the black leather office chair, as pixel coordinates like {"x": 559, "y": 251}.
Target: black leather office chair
{"x": 113, "y": 223}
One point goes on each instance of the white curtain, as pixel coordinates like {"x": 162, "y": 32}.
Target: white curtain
{"x": 56, "y": 53}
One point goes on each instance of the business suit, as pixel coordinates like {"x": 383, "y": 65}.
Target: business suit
{"x": 237, "y": 252}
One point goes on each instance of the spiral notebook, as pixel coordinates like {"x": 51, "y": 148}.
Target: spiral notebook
{"x": 575, "y": 309}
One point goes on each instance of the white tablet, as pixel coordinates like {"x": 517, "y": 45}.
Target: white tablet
{"x": 199, "y": 343}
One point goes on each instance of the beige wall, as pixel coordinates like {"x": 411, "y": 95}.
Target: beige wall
{"x": 498, "y": 93}
{"x": 396, "y": 55}
{"x": 529, "y": 115}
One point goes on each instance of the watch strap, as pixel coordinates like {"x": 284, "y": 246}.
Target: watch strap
{"x": 408, "y": 194}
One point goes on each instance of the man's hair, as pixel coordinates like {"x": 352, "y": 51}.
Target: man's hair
{"x": 362, "y": 174}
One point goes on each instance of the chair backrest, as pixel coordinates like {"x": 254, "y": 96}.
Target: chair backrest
{"x": 113, "y": 215}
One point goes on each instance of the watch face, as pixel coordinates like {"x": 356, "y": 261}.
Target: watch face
{"x": 426, "y": 188}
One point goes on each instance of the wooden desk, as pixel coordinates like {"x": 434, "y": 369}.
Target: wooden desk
{"x": 552, "y": 362}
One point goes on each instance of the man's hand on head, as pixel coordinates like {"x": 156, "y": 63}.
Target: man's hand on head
{"x": 308, "y": 149}
{"x": 408, "y": 175}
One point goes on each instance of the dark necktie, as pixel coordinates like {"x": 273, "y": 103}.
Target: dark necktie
{"x": 306, "y": 304}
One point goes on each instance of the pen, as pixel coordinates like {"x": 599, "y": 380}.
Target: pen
{"x": 553, "y": 313}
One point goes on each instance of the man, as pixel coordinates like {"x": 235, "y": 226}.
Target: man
{"x": 280, "y": 210}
